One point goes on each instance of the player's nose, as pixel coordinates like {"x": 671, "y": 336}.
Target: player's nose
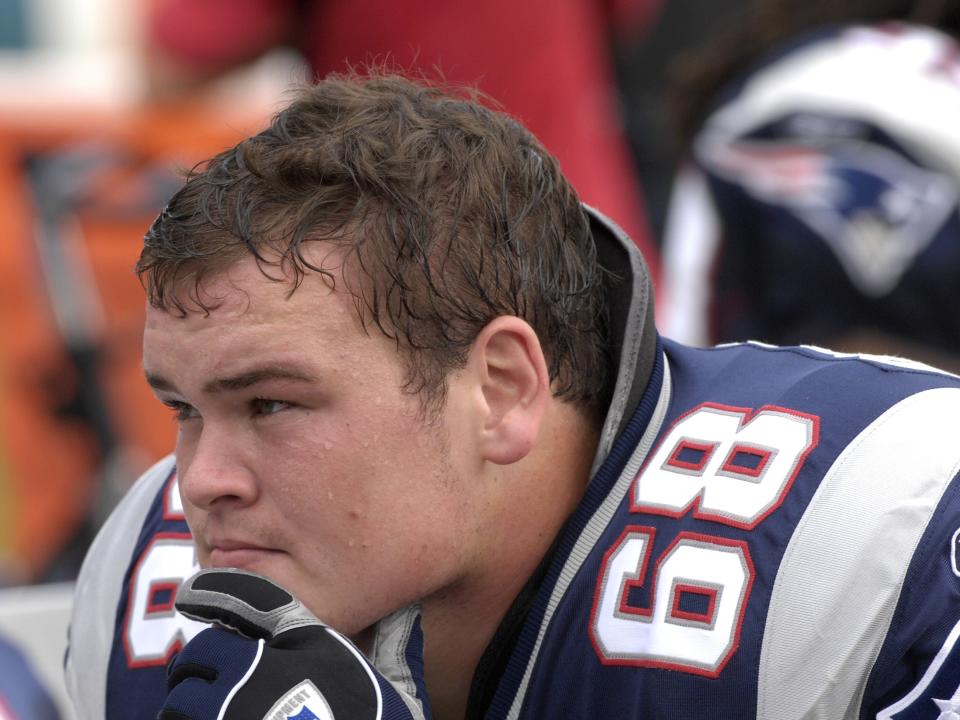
{"x": 215, "y": 472}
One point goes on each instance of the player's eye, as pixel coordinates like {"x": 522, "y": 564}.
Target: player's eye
{"x": 266, "y": 406}
{"x": 181, "y": 411}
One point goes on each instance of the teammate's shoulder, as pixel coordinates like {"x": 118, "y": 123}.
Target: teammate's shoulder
{"x": 100, "y": 584}
{"x": 153, "y": 478}
{"x": 130, "y": 513}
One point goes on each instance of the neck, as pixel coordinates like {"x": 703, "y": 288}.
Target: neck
{"x": 534, "y": 499}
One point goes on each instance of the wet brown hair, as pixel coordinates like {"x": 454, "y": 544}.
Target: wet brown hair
{"x": 448, "y": 214}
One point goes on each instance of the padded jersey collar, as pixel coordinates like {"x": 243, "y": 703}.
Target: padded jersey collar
{"x": 633, "y": 348}
{"x": 633, "y": 335}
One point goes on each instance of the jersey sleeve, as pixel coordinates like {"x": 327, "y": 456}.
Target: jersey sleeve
{"x": 852, "y": 562}
{"x": 99, "y": 588}
{"x": 917, "y": 672}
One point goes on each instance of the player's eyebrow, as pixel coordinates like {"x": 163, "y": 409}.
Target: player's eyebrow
{"x": 158, "y": 382}
{"x": 240, "y": 381}
{"x": 257, "y": 375}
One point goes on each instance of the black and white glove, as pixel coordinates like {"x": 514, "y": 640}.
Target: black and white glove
{"x": 271, "y": 659}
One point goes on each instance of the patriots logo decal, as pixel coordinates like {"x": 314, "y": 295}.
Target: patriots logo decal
{"x": 876, "y": 209}
{"x": 301, "y": 702}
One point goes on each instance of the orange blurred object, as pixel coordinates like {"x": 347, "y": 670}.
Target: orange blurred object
{"x": 77, "y": 191}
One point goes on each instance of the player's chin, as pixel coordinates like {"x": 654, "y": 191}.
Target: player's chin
{"x": 363, "y": 639}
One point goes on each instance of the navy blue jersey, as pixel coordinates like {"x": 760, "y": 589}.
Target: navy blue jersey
{"x": 150, "y": 629}
{"x": 772, "y": 535}
{"x": 767, "y": 533}
{"x": 124, "y": 629}
{"x": 764, "y": 540}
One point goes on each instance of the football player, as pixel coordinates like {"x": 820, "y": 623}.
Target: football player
{"x": 436, "y": 461}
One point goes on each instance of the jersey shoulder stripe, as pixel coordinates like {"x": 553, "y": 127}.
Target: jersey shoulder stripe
{"x": 846, "y": 561}
{"x": 99, "y": 585}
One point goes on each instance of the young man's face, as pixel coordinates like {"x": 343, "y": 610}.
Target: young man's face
{"x": 299, "y": 455}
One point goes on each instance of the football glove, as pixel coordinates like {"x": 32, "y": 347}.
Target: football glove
{"x": 269, "y": 658}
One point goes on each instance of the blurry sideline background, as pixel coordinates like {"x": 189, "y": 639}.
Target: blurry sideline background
{"x": 86, "y": 162}
{"x": 85, "y": 165}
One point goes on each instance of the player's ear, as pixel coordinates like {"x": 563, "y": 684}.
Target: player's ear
{"x": 515, "y": 387}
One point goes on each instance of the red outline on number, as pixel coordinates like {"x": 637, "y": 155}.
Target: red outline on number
{"x": 705, "y": 617}
{"x": 651, "y": 533}
{"x": 706, "y": 448}
{"x": 174, "y": 646}
{"x": 747, "y": 416}
{"x": 169, "y": 514}
{"x": 163, "y": 607}
{"x": 638, "y": 662}
{"x": 622, "y": 606}
{"x": 746, "y": 449}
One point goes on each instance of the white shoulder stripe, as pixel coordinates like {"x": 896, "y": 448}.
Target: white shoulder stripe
{"x": 98, "y": 588}
{"x": 842, "y": 573}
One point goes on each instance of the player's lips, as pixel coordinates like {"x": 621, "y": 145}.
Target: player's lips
{"x": 238, "y": 553}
